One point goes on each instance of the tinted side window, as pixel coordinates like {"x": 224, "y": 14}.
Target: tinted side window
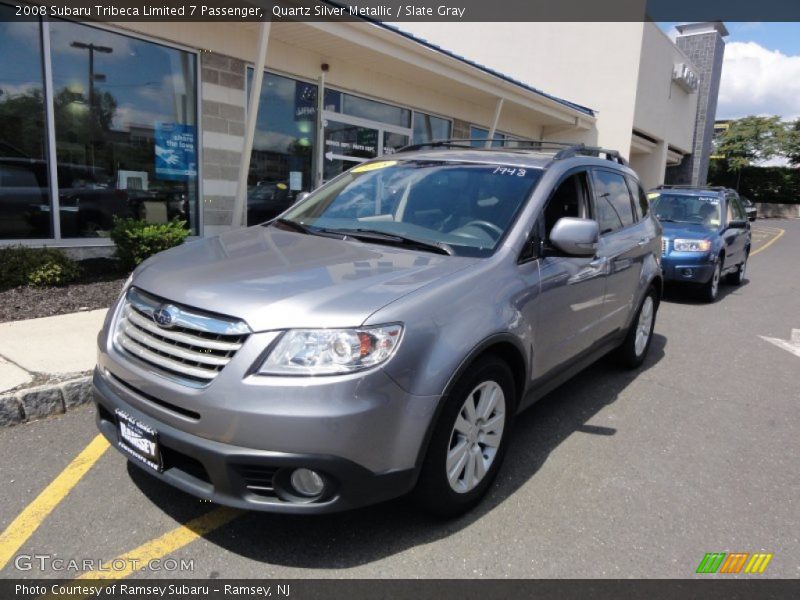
{"x": 640, "y": 203}
{"x": 738, "y": 210}
{"x": 568, "y": 200}
{"x": 613, "y": 207}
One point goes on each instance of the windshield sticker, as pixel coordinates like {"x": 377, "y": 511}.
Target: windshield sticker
{"x": 373, "y": 166}
{"x": 509, "y": 171}
{"x": 709, "y": 200}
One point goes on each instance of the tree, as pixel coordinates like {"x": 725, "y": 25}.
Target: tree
{"x": 752, "y": 139}
{"x": 792, "y": 143}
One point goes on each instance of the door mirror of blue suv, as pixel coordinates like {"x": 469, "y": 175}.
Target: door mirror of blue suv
{"x": 575, "y": 237}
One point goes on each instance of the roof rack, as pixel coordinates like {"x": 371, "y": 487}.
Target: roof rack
{"x": 583, "y": 150}
{"x": 682, "y": 186}
{"x": 562, "y": 150}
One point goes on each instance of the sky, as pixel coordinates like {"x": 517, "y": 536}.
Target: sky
{"x": 761, "y": 70}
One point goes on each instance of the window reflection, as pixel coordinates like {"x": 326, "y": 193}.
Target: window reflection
{"x": 280, "y": 164}
{"x": 365, "y": 108}
{"x": 24, "y": 192}
{"x": 478, "y": 134}
{"x": 126, "y": 136}
{"x": 428, "y": 128}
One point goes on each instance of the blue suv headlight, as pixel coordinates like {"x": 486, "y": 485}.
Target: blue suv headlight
{"x": 691, "y": 245}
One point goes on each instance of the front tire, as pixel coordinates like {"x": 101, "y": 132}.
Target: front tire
{"x": 737, "y": 277}
{"x": 710, "y": 290}
{"x": 470, "y": 439}
{"x": 634, "y": 349}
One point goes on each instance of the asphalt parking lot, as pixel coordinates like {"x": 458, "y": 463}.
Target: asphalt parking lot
{"x": 615, "y": 474}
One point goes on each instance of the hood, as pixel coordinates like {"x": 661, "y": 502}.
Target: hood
{"x": 692, "y": 231}
{"x": 275, "y": 279}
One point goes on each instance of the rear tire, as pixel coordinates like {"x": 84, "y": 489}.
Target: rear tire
{"x": 634, "y": 349}
{"x": 737, "y": 277}
{"x": 470, "y": 439}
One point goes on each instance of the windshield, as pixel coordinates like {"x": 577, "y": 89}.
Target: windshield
{"x": 684, "y": 208}
{"x": 467, "y": 207}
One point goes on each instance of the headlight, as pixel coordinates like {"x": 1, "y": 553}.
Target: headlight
{"x": 691, "y": 245}
{"x": 331, "y": 351}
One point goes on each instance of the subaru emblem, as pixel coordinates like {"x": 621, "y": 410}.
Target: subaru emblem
{"x": 166, "y": 315}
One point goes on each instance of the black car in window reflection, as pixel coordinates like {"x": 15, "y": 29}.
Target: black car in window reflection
{"x": 88, "y": 201}
{"x": 267, "y": 200}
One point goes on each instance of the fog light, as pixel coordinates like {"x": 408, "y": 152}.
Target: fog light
{"x": 688, "y": 272}
{"x": 307, "y": 482}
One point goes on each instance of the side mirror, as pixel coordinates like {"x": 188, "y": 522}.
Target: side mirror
{"x": 575, "y": 237}
{"x": 737, "y": 224}
{"x": 301, "y": 196}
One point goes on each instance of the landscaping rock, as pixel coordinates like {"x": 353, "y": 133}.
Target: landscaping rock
{"x": 41, "y": 401}
{"x": 77, "y": 392}
{"x": 10, "y": 410}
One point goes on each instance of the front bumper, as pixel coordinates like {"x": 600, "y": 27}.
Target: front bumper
{"x": 242, "y": 477}
{"x": 687, "y": 269}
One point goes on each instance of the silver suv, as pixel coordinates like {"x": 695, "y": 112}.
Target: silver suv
{"x": 379, "y": 337}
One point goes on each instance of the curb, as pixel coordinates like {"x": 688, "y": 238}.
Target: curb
{"x": 38, "y": 402}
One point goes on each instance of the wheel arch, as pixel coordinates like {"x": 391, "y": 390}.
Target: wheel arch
{"x": 502, "y": 345}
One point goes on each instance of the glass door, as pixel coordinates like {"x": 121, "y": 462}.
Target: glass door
{"x": 348, "y": 141}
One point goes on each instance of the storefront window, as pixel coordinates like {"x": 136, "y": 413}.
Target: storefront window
{"x": 126, "y": 130}
{"x": 364, "y": 108}
{"x": 477, "y": 134}
{"x": 283, "y": 146}
{"x": 428, "y": 128}
{"x": 24, "y": 191}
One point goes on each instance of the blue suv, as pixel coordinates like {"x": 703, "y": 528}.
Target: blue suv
{"x": 706, "y": 235}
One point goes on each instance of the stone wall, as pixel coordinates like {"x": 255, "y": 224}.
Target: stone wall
{"x": 779, "y": 211}
{"x": 706, "y": 51}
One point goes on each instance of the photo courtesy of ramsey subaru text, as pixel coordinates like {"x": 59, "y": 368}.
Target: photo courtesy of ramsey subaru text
{"x": 378, "y": 338}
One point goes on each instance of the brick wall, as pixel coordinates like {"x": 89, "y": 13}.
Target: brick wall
{"x": 223, "y": 115}
{"x": 460, "y": 129}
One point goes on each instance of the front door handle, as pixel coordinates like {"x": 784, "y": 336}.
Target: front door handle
{"x": 644, "y": 241}
{"x": 599, "y": 263}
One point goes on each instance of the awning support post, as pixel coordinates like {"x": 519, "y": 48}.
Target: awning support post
{"x": 239, "y": 214}
{"x": 497, "y": 109}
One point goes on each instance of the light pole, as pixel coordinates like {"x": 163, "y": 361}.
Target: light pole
{"x": 92, "y": 48}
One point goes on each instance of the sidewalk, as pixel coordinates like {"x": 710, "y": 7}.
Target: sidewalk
{"x": 45, "y": 364}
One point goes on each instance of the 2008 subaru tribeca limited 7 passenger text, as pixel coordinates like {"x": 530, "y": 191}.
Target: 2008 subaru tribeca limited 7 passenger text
{"x": 379, "y": 336}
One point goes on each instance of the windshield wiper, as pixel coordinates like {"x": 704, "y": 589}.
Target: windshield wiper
{"x": 293, "y": 225}
{"x": 301, "y": 228}
{"x": 373, "y": 235}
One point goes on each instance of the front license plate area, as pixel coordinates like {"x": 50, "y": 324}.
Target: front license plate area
{"x": 139, "y": 441}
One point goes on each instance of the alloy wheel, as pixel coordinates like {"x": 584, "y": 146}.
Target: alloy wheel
{"x": 476, "y": 436}
{"x": 715, "y": 280}
{"x": 644, "y": 325}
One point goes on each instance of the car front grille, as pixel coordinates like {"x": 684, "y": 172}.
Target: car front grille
{"x": 192, "y": 345}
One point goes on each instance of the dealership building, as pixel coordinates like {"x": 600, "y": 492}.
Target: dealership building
{"x": 225, "y": 123}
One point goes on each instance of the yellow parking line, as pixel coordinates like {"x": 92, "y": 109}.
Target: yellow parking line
{"x": 164, "y": 545}
{"x": 29, "y": 519}
{"x": 769, "y": 243}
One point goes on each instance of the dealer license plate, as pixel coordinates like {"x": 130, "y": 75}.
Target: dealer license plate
{"x": 139, "y": 441}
